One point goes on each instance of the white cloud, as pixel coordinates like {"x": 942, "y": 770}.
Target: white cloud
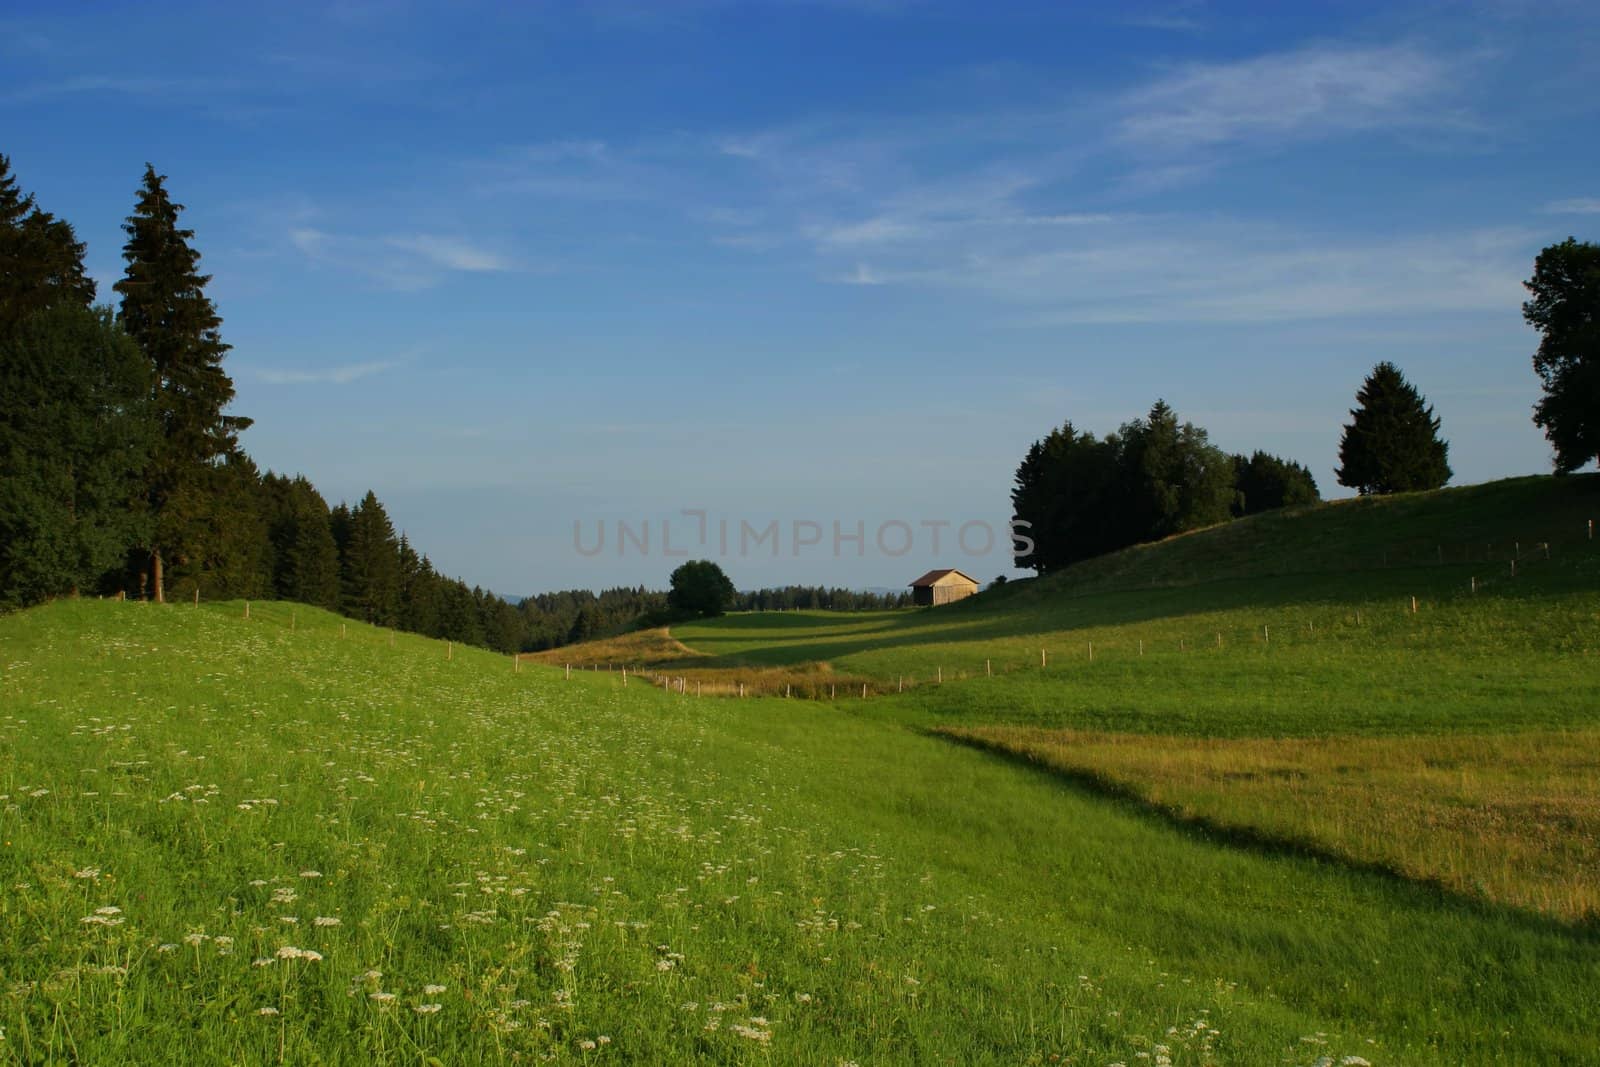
{"x": 405, "y": 263}
{"x": 862, "y": 275}
{"x": 870, "y": 231}
{"x": 451, "y": 253}
{"x": 1307, "y": 93}
{"x": 1171, "y": 269}
{"x": 342, "y": 375}
{"x": 1582, "y": 205}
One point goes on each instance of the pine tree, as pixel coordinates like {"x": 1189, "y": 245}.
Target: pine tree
{"x": 165, "y": 309}
{"x": 41, "y": 259}
{"x": 1392, "y": 444}
{"x": 1565, "y": 309}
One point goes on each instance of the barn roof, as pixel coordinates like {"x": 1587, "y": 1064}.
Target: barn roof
{"x": 934, "y": 577}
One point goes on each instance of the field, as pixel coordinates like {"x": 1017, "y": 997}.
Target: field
{"x": 253, "y": 839}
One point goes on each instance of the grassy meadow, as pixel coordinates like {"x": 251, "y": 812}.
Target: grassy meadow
{"x": 229, "y": 840}
{"x": 1345, "y": 833}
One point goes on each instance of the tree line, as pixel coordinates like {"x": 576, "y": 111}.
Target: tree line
{"x": 120, "y": 465}
{"x": 1084, "y": 496}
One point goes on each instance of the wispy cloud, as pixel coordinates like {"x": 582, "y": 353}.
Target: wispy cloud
{"x": 342, "y": 375}
{"x": 1307, "y": 93}
{"x": 1581, "y": 205}
{"x": 451, "y": 253}
{"x": 410, "y": 262}
{"x": 1170, "y": 269}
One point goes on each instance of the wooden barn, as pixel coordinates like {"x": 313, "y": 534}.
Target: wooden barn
{"x": 942, "y": 587}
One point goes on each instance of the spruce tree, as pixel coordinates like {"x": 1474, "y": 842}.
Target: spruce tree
{"x": 41, "y": 259}
{"x": 372, "y": 565}
{"x": 165, "y": 309}
{"x": 1392, "y": 443}
{"x": 1565, "y": 309}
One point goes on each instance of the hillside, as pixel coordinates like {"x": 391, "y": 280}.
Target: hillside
{"x": 1433, "y": 719}
{"x": 230, "y": 839}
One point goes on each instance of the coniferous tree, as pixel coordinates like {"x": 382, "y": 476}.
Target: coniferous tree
{"x": 165, "y": 309}
{"x": 1266, "y": 482}
{"x": 1179, "y": 480}
{"x": 419, "y": 592}
{"x": 1565, "y": 309}
{"x": 305, "y": 558}
{"x": 1392, "y": 443}
{"x": 228, "y": 553}
{"x": 75, "y": 435}
{"x": 41, "y": 259}
{"x": 372, "y": 565}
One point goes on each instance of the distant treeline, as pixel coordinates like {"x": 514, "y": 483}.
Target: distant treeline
{"x": 818, "y": 598}
{"x": 555, "y": 619}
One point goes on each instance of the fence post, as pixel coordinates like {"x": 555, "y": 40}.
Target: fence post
{"x": 1091, "y": 651}
{"x": 941, "y": 676}
{"x": 1042, "y": 661}
{"x": 988, "y": 671}
{"x": 247, "y": 609}
{"x": 1266, "y": 637}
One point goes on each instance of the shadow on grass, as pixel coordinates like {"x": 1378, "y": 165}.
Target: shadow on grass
{"x": 1203, "y": 829}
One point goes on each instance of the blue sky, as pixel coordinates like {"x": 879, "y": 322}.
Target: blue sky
{"x": 520, "y": 268}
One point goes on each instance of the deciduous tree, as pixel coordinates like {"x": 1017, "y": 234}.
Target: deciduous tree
{"x": 700, "y": 588}
{"x": 1565, "y": 309}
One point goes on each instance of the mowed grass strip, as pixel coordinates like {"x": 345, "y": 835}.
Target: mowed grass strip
{"x": 1508, "y": 818}
{"x": 654, "y": 657}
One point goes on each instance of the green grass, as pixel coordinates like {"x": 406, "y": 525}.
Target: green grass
{"x": 1308, "y": 652}
{"x": 693, "y": 880}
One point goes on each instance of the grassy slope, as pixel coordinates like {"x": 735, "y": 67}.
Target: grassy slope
{"x": 572, "y": 860}
{"x": 1307, "y": 647}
